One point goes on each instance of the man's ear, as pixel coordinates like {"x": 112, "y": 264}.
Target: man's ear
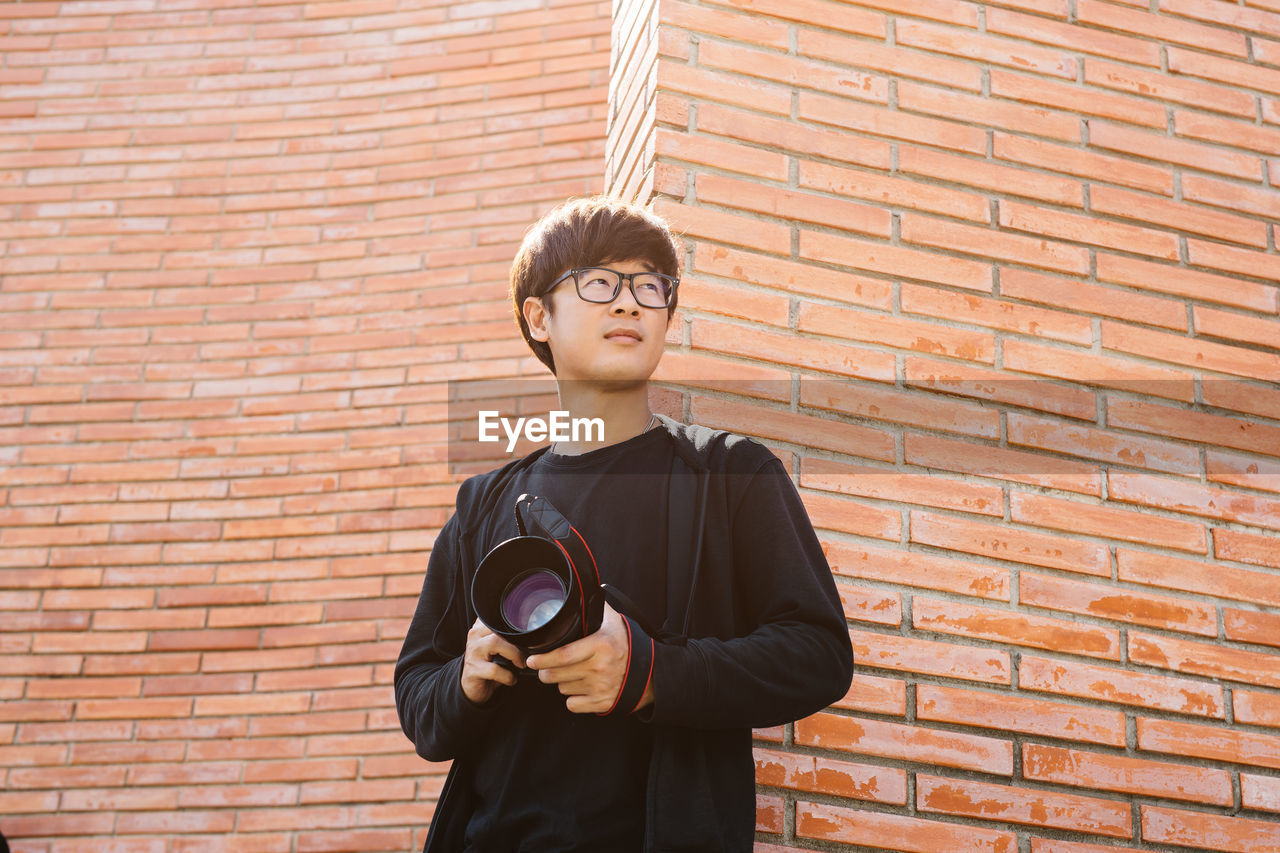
{"x": 535, "y": 315}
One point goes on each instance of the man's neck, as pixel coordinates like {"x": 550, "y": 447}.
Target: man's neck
{"x": 625, "y": 414}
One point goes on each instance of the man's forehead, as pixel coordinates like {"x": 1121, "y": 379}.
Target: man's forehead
{"x": 644, "y": 262}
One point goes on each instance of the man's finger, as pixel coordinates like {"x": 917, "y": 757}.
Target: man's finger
{"x": 575, "y": 652}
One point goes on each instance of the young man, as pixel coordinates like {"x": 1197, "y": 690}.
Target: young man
{"x": 638, "y": 736}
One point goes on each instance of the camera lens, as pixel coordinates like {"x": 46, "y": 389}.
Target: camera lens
{"x": 532, "y": 599}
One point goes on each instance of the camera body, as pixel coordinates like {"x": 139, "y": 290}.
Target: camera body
{"x": 541, "y": 589}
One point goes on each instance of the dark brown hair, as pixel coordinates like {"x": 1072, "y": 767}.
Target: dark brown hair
{"x": 584, "y": 232}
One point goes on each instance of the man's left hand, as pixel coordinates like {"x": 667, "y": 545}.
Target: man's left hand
{"x": 590, "y": 671}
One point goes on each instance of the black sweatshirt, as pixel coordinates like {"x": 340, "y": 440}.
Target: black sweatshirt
{"x": 767, "y": 644}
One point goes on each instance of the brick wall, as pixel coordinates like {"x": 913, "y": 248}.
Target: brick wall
{"x": 244, "y": 244}
{"x": 998, "y": 283}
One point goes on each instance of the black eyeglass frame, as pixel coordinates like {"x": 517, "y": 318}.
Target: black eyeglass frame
{"x": 628, "y": 277}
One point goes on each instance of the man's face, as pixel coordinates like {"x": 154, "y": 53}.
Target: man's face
{"x": 619, "y": 343}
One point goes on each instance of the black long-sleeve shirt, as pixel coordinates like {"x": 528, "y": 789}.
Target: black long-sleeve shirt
{"x": 542, "y": 778}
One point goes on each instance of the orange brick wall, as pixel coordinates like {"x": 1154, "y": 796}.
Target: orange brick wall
{"x": 997, "y": 282}
{"x": 244, "y": 244}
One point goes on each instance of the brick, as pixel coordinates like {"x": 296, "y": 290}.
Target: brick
{"x": 791, "y": 277}
{"x": 1082, "y": 163}
{"x": 896, "y": 332}
{"x": 848, "y": 516}
{"x": 1250, "y": 471}
{"x": 750, "y": 28}
{"x": 988, "y": 242}
{"x": 1076, "y": 99}
{"x": 875, "y": 695}
{"x": 1018, "y": 805}
{"x": 794, "y": 71}
{"x": 789, "y": 350}
{"x": 811, "y": 774}
{"x": 1168, "y": 422}
{"x": 769, "y": 816}
{"x": 1231, "y": 664}
{"x": 730, "y": 301}
{"x": 889, "y": 60}
{"x": 1193, "y": 576}
{"x": 1245, "y": 75}
{"x": 900, "y": 407}
{"x": 1165, "y": 88}
{"x": 706, "y": 84}
{"x": 1177, "y": 216}
{"x": 1125, "y": 775}
{"x": 1014, "y": 627}
{"x": 896, "y": 192}
{"x": 1229, "y": 195}
{"x": 1162, "y": 27}
{"x": 1256, "y": 20}
{"x": 1013, "y": 713}
{"x": 1119, "y": 605}
{"x": 941, "y": 454}
{"x": 782, "y": 425}
{"x": 1229, "y": 259}
{"x": 1261, "y": 709}
{"x": 1213, "y": 832}
{"x": 986, "y": 384}
{"x": 1079, "y": 228}
{"x": 1260, "y": 792}
{"x": 1101, "y": 683}
{"x": 1107, "y": 446}
{"x": 868, "y": 605}
{"x": 792, "y": 136}
{"x": 1250, "y": 626}
{"x": 1193, "y": 498}
{"x": 1226, "y": 132}
{"x": 1038, "y": 29}
{"x": 916, "y": 569}
{"x": 906, "y": 654}
{"x": 1180, "y": 152}
{"x": 1087, "y": 368}
{"x": 833, "y": 823}
{"x": 979, "y": 110}
{"x": 1188, "y": 283}
{"x": 793, "y": 206}
{"x": 1003, "y": 542}
{"x": 738, "y": 230}
{"x": 963, "y": 14}
{"x": 963, "y": 43}
{"x": 709, "y": 151}
{"x": 878, "y": 121}
{"x": 1106, "y": 521}
{"x": 905, "y": 743}
{"x": 895, "y": 261}
{"x": 860, "y": 21}
{"x": 986, "y": 175}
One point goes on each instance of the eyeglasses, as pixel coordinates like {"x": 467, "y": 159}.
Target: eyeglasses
{"x": 598, "y": 284}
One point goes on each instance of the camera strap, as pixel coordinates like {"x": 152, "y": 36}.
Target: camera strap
{"x": 535, "y": 516}
{"x": 686, "y": 504}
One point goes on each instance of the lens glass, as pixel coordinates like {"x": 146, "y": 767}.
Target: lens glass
{"x": 532, "y": 599}
{"x": 652, "y": 290}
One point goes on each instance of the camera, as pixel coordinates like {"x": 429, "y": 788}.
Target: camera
{"x": 541, "y": 589}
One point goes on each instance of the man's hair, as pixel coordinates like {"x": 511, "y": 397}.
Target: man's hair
{"x": 584, "y": 232}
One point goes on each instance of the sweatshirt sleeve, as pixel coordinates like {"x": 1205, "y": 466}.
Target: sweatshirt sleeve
{"x": 434, "y": 712}
{"x": 796, "y": 659}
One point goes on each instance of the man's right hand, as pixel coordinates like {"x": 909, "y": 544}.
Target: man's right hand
{"x": 482, "y": 676}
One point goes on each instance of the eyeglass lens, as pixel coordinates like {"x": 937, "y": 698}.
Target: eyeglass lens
{"x": 651, "y": 290}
